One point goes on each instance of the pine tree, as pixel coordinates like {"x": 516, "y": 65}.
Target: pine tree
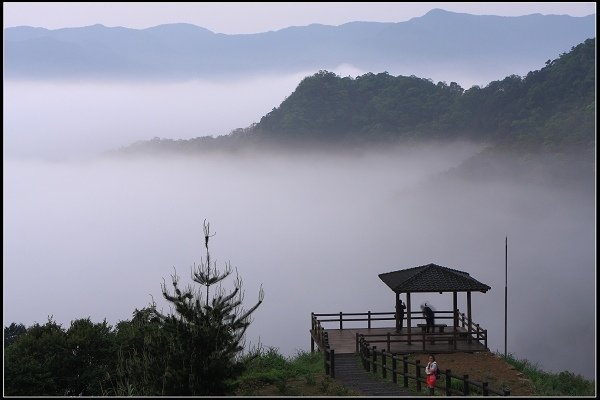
{"x": 202, "y": 353}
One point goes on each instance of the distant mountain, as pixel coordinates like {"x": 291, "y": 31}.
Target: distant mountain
{"x": 437, "y": 44}
{"x": 549, "y": 110}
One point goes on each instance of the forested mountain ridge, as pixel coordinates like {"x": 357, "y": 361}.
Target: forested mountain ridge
{"x": 554, "y": 105}
{"x": 551, "y": 109}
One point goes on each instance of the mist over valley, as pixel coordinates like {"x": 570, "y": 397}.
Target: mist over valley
{"x": 96, "y": 238}
{"x": 315, "y": 183}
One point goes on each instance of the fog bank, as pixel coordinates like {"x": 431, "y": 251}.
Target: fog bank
{"x": 62, "y": 120}
{"x": 96, "y": 238}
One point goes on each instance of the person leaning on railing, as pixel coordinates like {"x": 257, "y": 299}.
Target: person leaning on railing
{"x": 429, "y": 317}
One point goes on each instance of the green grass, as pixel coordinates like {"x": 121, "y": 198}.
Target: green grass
{"x": 271, "y": 374}
{"x": 550, "y": 384}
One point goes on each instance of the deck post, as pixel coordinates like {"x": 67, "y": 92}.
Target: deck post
{"x": 484, "y": 388}
{"x": 312, "y": 332}
{"x": 322, "y": 335}
{"x": 375, "y": 359}
{"x": 455, "y": 309}
{"x": 485, "y": 338}
{"x": 418, "y": 374}
{"x": 405, "y": 370}
{"x": 455, "y": 340}
{"x": 356, "y": 342}
{"x": 361, "y": 352}
{"x": 448, "y": 384}
{"x": 341, "y": 327}
{"x": 388, "y": 341}
{"x": 383, "y": 364}
{"x": 394, "y": 371}
{"x": 318, "y": 337}
{"x": 332, "y": 362}
{"x": 466, "y": 386}
{"x": 408, "y": 315}
{"x": 369, "y": 319}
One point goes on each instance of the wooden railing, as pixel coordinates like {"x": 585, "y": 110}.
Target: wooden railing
{"x": 374, "y": 360}
{"x": 424, "y": 338}
{"x": 321, "y": 337}
{"x": 472, "y": 331}
{"x": 368, "y": 317}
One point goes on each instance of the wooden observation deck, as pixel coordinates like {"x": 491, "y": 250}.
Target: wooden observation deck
{"x": 440, "y": 332}
{"x": 456, "y": 331}
{"x": 328, "y": 330}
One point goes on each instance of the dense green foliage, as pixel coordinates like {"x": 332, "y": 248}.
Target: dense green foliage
{"x": 564, "y": 383}
{"x": 49, "y": 360}
{"x": 13, "y": 332}
{"x": 197, "y": 350}
{"x": 552, "y": 107}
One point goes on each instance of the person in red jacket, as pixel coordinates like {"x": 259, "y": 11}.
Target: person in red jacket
{"x": 432, "y": 372}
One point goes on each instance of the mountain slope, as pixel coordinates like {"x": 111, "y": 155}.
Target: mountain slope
{"x": 554, "y": 106}
{"x": 551, "y": 110}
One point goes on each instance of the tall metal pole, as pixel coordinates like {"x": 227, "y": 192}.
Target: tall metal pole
{"x": 505, "y": 289}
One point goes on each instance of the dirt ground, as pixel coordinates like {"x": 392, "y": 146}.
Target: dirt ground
{"x": 482, "y": 367}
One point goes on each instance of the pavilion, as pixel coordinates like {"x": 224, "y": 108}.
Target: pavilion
{"x": 432, "y": 278}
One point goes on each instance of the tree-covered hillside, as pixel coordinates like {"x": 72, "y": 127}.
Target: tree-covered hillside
{"x": 551, "y": 107}
{"x": 549, "y": 110}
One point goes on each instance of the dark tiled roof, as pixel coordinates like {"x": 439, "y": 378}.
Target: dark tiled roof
{"x": 431, "y": 278}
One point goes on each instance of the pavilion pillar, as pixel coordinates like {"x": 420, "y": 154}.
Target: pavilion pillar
{"x": 398, "y": 311}
{"x": 469, "y": 316}
{"x": 408, "y": 314}
{"x": 454, "y": 310}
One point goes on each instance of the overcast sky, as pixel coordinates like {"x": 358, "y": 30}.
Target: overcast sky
{"x": 254, "y": 17}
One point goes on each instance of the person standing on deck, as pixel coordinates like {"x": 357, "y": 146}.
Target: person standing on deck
{"x": 401, "y": 308}
{"x": 429, "y": 317}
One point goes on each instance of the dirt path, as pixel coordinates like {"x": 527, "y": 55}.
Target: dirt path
{"x": 484, "y": 366}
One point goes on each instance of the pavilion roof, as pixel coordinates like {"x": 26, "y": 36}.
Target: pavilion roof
{"x": 432, "y": 278}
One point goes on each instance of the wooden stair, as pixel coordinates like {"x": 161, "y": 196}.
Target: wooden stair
{"x": 349, "y": 373}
